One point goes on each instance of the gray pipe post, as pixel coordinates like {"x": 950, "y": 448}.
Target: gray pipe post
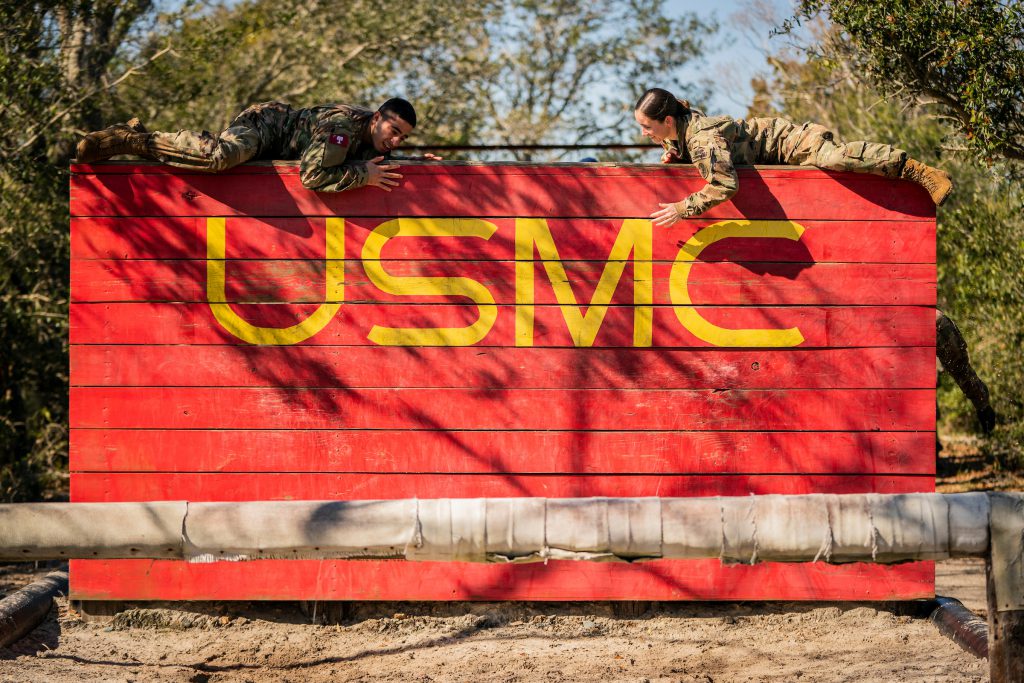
{"x": 1004, "y": 571}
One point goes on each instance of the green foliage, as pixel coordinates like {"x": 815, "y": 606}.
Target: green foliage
{"x": 298, "y": 51}
{"x": 981, "y": 285}
{"x": 964, "y": 58}
{"x": 980, "y": 229}
{"x": 564, "y": 71}
{"x": 55, "y": 55}
{"x": 33, "y": 332}
{"x": 501, "y": 71}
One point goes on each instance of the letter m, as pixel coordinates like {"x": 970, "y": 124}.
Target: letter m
{"x": 634, "y": 236}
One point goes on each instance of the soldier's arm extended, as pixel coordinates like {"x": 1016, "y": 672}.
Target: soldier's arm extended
{"x": 423, "y": 157}
{"x": 710, "y": 153}
{"x": 325, "y": 166}
{"x": 669, "y": 155}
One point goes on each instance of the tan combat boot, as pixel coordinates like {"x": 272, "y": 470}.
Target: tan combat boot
{"x": 130, "y": 138}
{"x": 936, "y": 181}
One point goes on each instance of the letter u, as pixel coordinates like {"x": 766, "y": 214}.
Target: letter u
{"x": 334, "y": 289}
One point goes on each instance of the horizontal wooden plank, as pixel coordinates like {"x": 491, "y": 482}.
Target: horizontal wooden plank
{"x": 577, "y": 239}
{"x": 510, "y": 368}
{"x": 544, "y": 452}
{"x": 170, "y": 323}
{"x": 510, "y": 191}
{"x": 98, "y": 487}
{"x": 498, "y": 408}
{"x": 304, "y": 281}
{"x": 555, "y": 580}
{"x": 333, "y": 418}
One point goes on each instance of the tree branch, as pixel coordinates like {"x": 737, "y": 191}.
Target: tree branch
{"x": 37, "y": 131}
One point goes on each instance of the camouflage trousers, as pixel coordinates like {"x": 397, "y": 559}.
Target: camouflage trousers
{"x": 255, "y": 133}
{"x": 951, "y": 351}
{"x": 814, "y": 145}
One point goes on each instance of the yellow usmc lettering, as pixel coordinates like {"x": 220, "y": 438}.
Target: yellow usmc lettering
{"x": 634, "y": 235}
{"x": 531, "y": 234}
{"x": 679, "y": 291}
{"x": 420, "y": 286}
{"x": 233, "y": 323}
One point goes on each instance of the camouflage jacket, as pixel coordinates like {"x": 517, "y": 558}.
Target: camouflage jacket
{"x": 714, "y": 144}
{"x": 331, "y": 141}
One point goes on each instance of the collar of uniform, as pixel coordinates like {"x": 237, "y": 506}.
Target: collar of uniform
{"x": 364, "y": 136}
{"x": 682, "y": 124}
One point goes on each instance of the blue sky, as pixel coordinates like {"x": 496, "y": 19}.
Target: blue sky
{"x": 740, "y": 48}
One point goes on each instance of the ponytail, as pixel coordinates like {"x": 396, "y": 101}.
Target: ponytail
{"x": 657, "y": 103}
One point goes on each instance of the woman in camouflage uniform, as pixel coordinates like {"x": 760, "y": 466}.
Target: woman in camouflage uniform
{"x": 715, "y": 144}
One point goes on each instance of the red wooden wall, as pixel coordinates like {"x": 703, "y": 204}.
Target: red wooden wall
{"x": 832, "y": 391}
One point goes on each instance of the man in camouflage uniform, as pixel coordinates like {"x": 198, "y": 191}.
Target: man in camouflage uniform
{"x": 715, "y": 144}
{"x": 952, "y": 356}
{"x": 340, "y": 147}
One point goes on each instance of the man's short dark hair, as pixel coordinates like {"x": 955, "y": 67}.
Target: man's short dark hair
{"x": 400, "y": 108}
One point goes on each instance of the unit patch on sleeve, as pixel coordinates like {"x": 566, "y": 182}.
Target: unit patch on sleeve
{"x": 335, "y": 150}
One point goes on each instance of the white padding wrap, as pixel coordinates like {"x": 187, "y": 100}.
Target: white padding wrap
{"x": 805, "y": 528}
{"x": 449, "y": 530}
{"x": 515, "y": 529}
{"x": 298, "y": 529}
{"x": 40, "y": 531}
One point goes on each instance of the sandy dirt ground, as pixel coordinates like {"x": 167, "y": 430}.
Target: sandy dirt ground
{"x": 261, "y": 642}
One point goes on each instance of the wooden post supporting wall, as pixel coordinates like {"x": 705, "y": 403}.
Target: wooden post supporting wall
{"x": 1004, "y": 570}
